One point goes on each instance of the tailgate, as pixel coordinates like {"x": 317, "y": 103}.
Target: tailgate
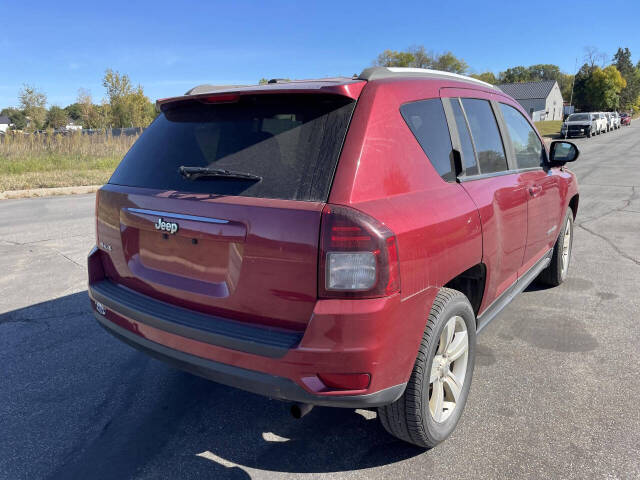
{"x": 240, "y": 241}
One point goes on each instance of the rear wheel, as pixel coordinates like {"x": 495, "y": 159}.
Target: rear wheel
{"x": 437, "y": 390}
{"x": 556, "y": 272}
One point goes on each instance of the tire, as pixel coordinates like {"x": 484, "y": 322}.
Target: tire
{"x": 556, "y": 272}
{"x": 410, "y": 418}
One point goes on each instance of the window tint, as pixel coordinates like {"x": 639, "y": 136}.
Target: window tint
{"x": 428, "y": 123}
{"x": 291, "y": 141}
{"x": 486, "y": 137}
{"x": 526, "y": 143}
{"x": 468, "y": 155}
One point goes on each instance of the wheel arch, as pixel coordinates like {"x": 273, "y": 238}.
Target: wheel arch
{"x": 573, "y": 204}
{"x": 471, "y": 283}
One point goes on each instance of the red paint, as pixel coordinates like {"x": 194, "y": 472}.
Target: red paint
{"x": 262, "y": 267}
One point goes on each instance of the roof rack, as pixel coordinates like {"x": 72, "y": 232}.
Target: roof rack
{"x": 377, "y": 73}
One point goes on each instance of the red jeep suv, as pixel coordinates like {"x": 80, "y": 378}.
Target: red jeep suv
{"x": 333, "y": 242}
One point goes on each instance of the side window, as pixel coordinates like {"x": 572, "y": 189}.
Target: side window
{"x": 468, "y": 154}
{"x": 428, "y": 124}
{"x": 486, "y": 136}
{"x": 525, "y": 142}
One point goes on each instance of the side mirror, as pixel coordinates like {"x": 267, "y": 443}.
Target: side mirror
{"x": 563, "y": 152}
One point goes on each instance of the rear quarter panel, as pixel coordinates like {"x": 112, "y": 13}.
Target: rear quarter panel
{"x": 384, "y": 172}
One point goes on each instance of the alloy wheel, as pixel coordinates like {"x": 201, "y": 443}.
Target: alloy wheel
{"x": 448, "y": 369}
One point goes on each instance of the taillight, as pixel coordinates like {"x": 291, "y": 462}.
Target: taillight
{"x": 358, "y": 256}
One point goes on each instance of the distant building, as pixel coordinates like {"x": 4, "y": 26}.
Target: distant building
{"x": 4, "y": 123}
{"x": 541, "y": 100}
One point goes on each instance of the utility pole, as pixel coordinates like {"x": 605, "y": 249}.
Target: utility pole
{"x": 573, "y": 82}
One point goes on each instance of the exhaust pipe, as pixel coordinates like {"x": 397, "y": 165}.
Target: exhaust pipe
{"x": 299, "y": 410}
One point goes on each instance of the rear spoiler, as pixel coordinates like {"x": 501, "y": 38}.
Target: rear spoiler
{"x": 347, "y": 88}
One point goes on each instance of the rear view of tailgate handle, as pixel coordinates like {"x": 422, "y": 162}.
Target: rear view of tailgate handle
{"x": 193, "y": 226}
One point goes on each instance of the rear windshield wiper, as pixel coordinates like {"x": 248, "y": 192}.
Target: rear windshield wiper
{"x": 193, "y": 173}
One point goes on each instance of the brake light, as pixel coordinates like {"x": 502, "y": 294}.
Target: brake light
{"x": 222, "y": 98}
{"x": 358, "y": 256}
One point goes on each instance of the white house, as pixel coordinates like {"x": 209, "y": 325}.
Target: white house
{"x": 4, "y": 123}
{"x": 541, "y": 100}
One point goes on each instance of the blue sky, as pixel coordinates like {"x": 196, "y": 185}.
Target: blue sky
{"x": 169, "y": 46}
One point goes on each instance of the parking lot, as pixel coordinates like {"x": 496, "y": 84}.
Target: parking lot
{"x": 555, "y": 392}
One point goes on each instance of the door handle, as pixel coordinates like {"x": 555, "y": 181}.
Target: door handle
{"x": 535, "y": 190}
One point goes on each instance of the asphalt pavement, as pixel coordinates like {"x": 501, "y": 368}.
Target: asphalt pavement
{"x": 555, "y": 393}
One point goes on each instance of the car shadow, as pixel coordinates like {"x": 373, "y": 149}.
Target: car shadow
{"x": 104, "y": 410}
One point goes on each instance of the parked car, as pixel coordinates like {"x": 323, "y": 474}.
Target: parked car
{"x": 333, "y": 242}
{"x": 578, "y": 124}
{"x": 625, "y": 119}
{"x": 601, "y": 122}
{"x": 616, "y": 120}
{"x": 609, "y": 121}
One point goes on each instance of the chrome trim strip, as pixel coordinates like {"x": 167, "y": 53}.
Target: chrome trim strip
{"x": 177, "y": 215}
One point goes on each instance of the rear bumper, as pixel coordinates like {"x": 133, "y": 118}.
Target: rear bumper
{"x": 379, "y": 337}
{"x": 250, "y": 380}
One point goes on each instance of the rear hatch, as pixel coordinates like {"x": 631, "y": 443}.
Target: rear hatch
{"x": 217, "y": 206}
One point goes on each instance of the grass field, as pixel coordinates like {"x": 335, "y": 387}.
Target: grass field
{"x": 550, "y": 128}
{"x": 40, "y": 161}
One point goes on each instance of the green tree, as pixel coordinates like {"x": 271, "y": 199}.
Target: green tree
{"x": 56, "y": 117}
{"x": 488, "y": 77}
{"x": 33, "y": 103}
{"x": 16, "y": 117}
{"x": 418, "y": 57}
{"x": 515, "y": 75}
{"x": 421, "y": 58}
{"x": 393, "y": 58}
{"x": 129, "y": 107}
{"x": 630, "y": 94}
{"x": 603, "y": 87}
{"x": 74, "y": 112}
{"x": 544, "y": 71}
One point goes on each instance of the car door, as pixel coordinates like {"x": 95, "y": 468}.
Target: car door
{"x": 500, "y": 198}
{"x": 542, "y": 186}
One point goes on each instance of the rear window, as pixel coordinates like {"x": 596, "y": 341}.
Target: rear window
{"x": 292, "y": 141}
{"x": 578, "y": 117}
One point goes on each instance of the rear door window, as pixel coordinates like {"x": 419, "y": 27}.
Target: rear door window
{"x": 486, "y": 136}
{"x": 525, "y": 141}
{"x": 428, "y": 123}
{"x": 469, "y": 161}
{"x": 291, "y": 141}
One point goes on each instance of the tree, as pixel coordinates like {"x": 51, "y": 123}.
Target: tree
{"x": 56, "y": 117}
{"x": 16, "y": 117}
{"x": 129, "y": 107}
{"x": 544, "y": 71}
{"x": 421, "y": 58}
{"x": 515, "y": 75}
{"x": 622, "y": 61}
{"x": 418, "y": 57}
{"x": 597, "y": 88}
{"x": 33, "y": 104}
{"x": 630, "y": 94}
{"x": 488, "y": 77}
{"x": 450, "y": 63}
{"x": 594, "y": 57}
{"x": 74, "y": 112}
{"x": 392, "y": 58}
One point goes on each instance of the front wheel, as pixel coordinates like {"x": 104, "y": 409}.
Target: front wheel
{"x": 429, "y": 409}
{"x": 556, "y": 272}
